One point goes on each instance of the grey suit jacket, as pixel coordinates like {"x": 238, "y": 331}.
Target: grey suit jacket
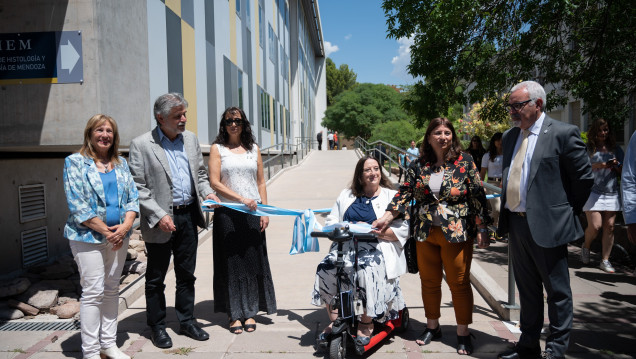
{"x": 151, "y": 172}
{"x": 558, "y": 185}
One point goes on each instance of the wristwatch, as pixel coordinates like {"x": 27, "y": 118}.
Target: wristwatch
{"x": 483, "y": 230}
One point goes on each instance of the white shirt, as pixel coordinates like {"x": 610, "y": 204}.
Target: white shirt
{"x": 494, "y": 167}
{"x": 535, "y": 129}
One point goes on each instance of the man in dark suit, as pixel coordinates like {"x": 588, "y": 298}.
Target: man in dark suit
{"x": 547, "y": 178}
{"x": 167, "y": 166}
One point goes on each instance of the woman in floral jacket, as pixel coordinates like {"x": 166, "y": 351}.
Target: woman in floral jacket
{"x": 450, "y": 212}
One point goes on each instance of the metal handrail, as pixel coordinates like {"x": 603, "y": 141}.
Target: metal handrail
{"x": 299, "y": 150}
{"x": 366, "y": 147}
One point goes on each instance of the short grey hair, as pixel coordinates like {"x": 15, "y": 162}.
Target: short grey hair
{"x": 165, "y": 103}
{"x": 534, "y": 89}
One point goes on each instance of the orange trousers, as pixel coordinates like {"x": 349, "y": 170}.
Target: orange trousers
{"x": 437, "y": 254}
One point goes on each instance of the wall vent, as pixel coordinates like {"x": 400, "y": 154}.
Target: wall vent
{"x": 32, "y": 202}
{"x": 35, "y": 246}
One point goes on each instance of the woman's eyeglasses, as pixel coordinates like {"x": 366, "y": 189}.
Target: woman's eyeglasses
{"x": 233, "y": 121}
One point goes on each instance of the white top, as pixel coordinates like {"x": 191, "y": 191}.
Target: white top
{"x": 495, "y": 168}
{"x": 238, "y": 172}
{"x": 525, "y": 170}
{"x": 392, "y": 251}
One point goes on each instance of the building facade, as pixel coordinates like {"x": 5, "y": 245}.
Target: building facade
{"x": 265, "y": 56}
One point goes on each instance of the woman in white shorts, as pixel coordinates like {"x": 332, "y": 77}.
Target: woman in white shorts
{"x": 601, "y": 207}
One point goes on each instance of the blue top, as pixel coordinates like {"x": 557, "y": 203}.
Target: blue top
{"x": 179, "y": 169}
{"x": 361, "y": 210}
{"x": 86, "y": 196}
{"x": 606, "y": 179}
{"x": 414, "y": 153}
{"x": 109, "y": 180}
{"x": 628, "y": 183}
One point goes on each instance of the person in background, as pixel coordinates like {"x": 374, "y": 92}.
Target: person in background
{"x": 380, "y": 263}
{"x": 546, "y": 180}
{"x": 628, "y": 184}
{"x": 335, "y": 141}
{"x": 402, "y": 163}
{"x": 243, "y": 283}
{"x": 491, "y": 166}
{"x": 451, "y": 212}
{"x": 319, "y": 139}
{"x": 103, "y": 203}
{"x": 413, "y": 153}
{"x": 330, "y": 139}
{"x": 167, "y": 165}
{"x": 476, "y": 150}
{"x": 604, "y": 202}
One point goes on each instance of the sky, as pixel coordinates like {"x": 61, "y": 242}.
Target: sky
{"x": 355, "y": 32}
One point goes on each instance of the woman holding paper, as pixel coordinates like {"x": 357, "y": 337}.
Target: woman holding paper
{"x": 380, "y": 264}
{"x": 243, "y": 283}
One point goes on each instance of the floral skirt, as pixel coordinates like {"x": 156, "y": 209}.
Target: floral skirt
{"x": 382, "y": 298}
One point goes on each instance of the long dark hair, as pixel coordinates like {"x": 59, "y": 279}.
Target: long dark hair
{"x": 357, "y": 185}
{"x": 247, "y": 138}
{"x": 610, "y": 141}
{"x": 492, "y": 149}
{"x": 427, "y": 154}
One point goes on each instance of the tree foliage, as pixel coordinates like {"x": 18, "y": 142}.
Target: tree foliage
{"x": 338, "y": 80}
{"x": 485, "y": 118}
{"x": 580, "y": 48}
{"x": 398, "y": 133}
{"x": 357, "y": 111}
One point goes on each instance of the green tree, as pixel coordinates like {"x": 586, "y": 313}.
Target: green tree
{"x": 485, "y": 118}
{"x": 338, "y": 80}
{"x": 398, "y": 133}
{"x": 357, "y": 111}
{"x": 585, "y": 48}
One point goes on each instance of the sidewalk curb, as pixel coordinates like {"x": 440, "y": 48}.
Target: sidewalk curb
{"x": 492, "y": 293}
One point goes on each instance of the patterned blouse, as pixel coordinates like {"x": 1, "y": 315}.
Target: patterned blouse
{"x": 461, "y": 203}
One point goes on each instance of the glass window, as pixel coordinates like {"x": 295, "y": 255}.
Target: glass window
{"x": 240, "y": 89}
{"x": 261, "y": 27}
{"x": 238, "y": 6}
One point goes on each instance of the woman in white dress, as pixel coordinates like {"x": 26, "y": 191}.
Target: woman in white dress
{"x": 491, "y": 165}
{"x": 243, "y": 283}
{"x": 603, "y": 203}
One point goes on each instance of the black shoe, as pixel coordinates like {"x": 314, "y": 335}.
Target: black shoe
{"x": 430, "y": 334}
{"x": 160, "y": 338}
{"x": 193, "y": 332}
{"x": 549, "y": 355}
{"x": 521, "y": 352}
{"x": 464, "y": 343}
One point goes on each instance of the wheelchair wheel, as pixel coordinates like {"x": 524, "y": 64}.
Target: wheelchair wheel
{"x": 406, "y": 318}
{"x": 338, "y": 347}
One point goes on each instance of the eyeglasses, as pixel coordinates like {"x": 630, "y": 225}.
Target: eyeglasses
{"x": 517, "y": 106}
{"x": 233, "y": 121}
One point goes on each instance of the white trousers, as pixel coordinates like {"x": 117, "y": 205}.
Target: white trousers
{"x": 100, "y": 270}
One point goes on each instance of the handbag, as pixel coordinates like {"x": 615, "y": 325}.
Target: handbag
{"x": 410, "y": 248}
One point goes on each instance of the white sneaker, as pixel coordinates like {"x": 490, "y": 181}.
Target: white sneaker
{"x": 585, "y": 255}
{"x": 606, "y": 266}
{"x": 114, "y": 353}
{"x": 96, "y": 356}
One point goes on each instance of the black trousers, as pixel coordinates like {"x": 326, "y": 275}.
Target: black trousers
{"x": 183, "y": 246}
{"x": 535, "y": 267}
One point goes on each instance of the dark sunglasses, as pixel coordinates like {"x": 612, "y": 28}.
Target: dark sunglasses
{"x": 517, "y": 106}
{"x": 233, "y": 121}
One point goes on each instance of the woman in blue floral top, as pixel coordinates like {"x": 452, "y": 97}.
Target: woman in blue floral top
{"x": 103, "y": 203}
{"x": 450, "y": 212}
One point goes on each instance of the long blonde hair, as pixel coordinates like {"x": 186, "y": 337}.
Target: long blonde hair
{"x": 87, "y": 149}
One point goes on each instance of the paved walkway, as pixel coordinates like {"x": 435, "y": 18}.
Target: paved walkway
{"x": 605, "y": 305}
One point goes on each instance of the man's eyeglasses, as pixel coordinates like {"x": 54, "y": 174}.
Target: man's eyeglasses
{"x": 233, "y": 121}
{"x": 517, "y": 106}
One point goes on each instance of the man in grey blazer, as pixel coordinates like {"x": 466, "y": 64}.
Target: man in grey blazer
{"x": 167, "y": 166}
{"x": 541, "y": 199}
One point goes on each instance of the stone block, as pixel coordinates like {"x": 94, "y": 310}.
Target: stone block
{"x": 23, "y": 307}
{"x": 14, "y": 287}
{"x": 131, "y": 254}
{"x": 8, "y": 313}
{"x": 66, "y": 310}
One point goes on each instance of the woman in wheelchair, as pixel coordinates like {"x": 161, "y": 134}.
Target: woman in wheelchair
{"x": 379, "y": 264}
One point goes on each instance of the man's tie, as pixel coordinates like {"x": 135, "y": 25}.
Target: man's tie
{"x": 513, "y": 190}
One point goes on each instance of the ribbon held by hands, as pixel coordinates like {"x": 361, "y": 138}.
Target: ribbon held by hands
{"x": 304, "y": 223}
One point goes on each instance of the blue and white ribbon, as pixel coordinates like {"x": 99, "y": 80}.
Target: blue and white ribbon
{"x": 304, "y": 223}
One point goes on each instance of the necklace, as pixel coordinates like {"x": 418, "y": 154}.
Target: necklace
{"x": 106, "y": 165}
